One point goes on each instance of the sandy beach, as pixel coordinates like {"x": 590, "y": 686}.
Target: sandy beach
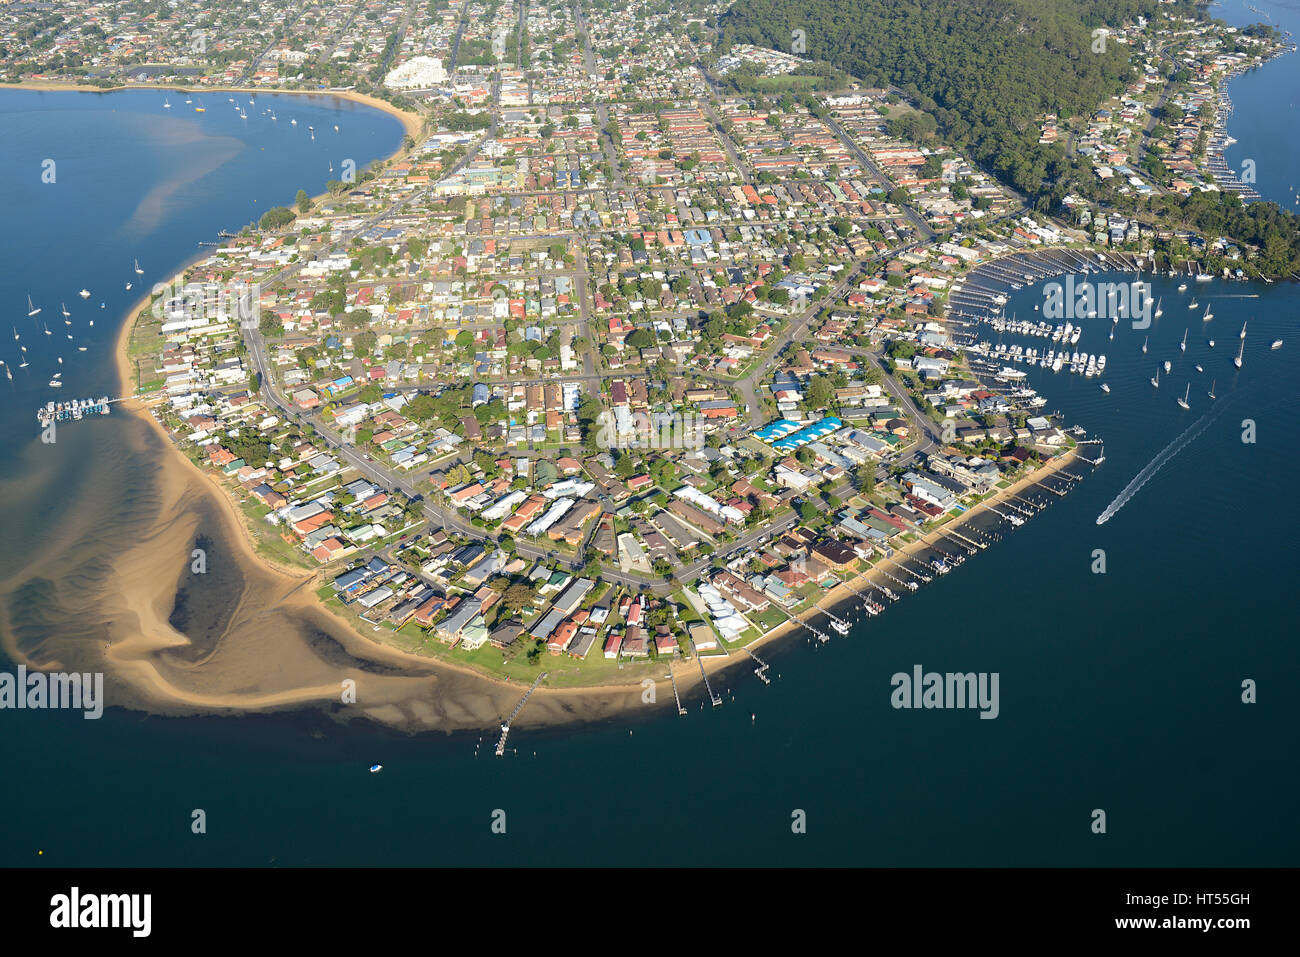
{"x": 413, "y": 123}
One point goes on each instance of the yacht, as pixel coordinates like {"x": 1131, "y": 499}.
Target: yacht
{"x": 138, "y": 270}
{"x": 1211, "y": 343}
{"x": 1155, "y": 380}
{"x": 1193, "y": 304}
{"x": 1159, "y": 312}
{"x": 166, "y": 105}
{"x": 64, "y": 309}
{"x": 1198, "y": 368}
{"x": 1182, "y": 287}
{"x": 1211, "y": 392}
{"x": 32, "y": 308}
{"x": 1241, "y": 351}
{"x": 84, "y": 294}
{"x": 1183, "y": 401}
{"x": 1105, "y": 387}
{"x": 293, "y": 122}
{"x": 1167, "y": 367}
{"x": 1144, "y": 344}
{"x": 376, "y": 768}
{"x": 1208, "y": 315}
{"x": 1242, "y": 335}
{"x": 1277, "y": 344}
{"x": 128, "y": 287}
{"x": 1183, "y": 346}
{"x": 55, "y": 384}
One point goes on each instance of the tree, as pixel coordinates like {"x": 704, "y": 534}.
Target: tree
{"x": 865, "y": 477}
{"x": 640, "y": 339}
{"x": 517, "y": 597}
{"x": 820, "y": 393}
{"x": 276, "y": 217}
{"x": 303, "y": 201}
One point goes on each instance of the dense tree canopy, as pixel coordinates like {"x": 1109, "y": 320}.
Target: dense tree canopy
{"x": 987, "y": 70}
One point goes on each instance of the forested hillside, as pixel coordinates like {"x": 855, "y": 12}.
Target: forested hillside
{"x": 987, "y": 69}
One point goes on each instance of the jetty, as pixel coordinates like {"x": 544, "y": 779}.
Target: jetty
{"x": 705, "y": 675}
{"x": 676, "y": 697}
{"x": 505, "y": 726}
{"x": 761, "y": 670}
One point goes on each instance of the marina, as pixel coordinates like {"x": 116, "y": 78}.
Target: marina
{"x": 72, "y": 410}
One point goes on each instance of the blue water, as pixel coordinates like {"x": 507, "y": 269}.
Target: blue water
{"x": 1118, "y": 691}
{"x": 132, "y": 180}
{"x": 1265, "y": 104}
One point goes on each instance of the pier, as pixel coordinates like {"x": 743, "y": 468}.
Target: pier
{"x": 960, "y": 537}
{"x": 676, "y": 697}
{"x": 761, "y": 670}
{"x": 1014, "y": 519}
{"x": 704, "y": 674}
{"x": 910, "y": 586}
{"x": 505, "y": 727}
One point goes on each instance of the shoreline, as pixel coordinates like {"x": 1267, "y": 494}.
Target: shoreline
{"x": 846, "y": 592}
{"x": 412, "y": 123}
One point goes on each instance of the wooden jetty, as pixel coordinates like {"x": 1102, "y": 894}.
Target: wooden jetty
{"x": 705, "y": 675}
{"x": 676, "y": 697}
{"x": 505, "y": 727}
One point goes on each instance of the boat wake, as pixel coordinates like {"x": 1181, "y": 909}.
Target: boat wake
{"x": 1161, "y": 459}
